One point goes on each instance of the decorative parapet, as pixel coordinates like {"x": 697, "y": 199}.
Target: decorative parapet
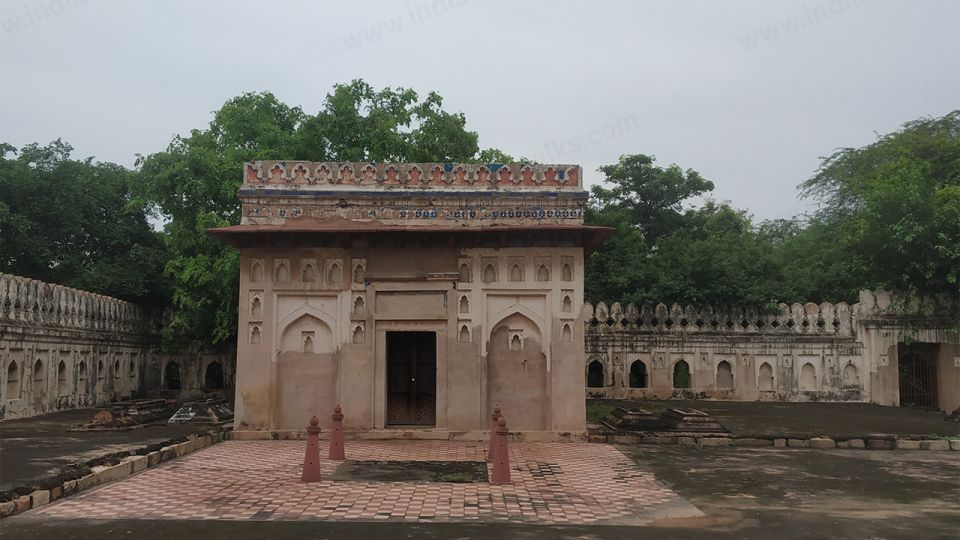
{"x": 804, "y": 319}
{"x": 412, "y": 175}
{"x": 28, "y": 302}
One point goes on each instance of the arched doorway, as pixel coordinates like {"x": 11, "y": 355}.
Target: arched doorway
{"x": 171, "y": 376}
{"x": 595, "y": 374}
{"x": 213, "y": 377}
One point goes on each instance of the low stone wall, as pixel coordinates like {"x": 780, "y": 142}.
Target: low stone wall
{"x": 800, "y": 352}
{"x": 867, "y": 442}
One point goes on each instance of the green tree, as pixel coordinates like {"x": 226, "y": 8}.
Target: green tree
{"x": 895, "y": 204}
{"x": 646, "y": 195}
{"x": 77, "y": 223}
{"x": 193, "y": 184}
{"x": 716, "y": 258}
{"x": 644, "y": 201}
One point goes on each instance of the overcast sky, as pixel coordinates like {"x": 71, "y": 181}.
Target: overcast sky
{"x": 749, "y": 93}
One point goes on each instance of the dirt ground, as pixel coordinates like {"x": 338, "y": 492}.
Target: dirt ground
{"x": 40, "y": 445}
{"x": 804, "y": 420}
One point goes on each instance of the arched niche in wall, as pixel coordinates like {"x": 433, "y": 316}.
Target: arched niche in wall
{"x": 638, "y": 374}
{"x": 63, "y": 383}
{"x": 517, "y": 369}
{"x": 765, "y": 379}
{"x": 213, "y": 376}
{"x": 256, "y": 271}
{"x": 466, "y": 275}
{"x": 543, "y": 272}
{"x": 171, "y": 376}
{"x": 851, "y": 376}
{"x": 595, "y": 374}
{"x": 13, "y": 380}
{"x": 489, "y": 273}
{"x": 808, "y": 378}
{"x": 306, "y": 328}
{"x": 307, "y": 377}
{"x": 681, "y": 374}
{"x": 724, "y": 376}
{"x": 281, "y": 271}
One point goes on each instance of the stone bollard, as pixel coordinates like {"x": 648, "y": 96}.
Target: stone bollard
{"x": 493, "y": 428}
{"x": 501, "y": 457}
{"x": 336, "y": 435}
{"x": 311, "y": 460}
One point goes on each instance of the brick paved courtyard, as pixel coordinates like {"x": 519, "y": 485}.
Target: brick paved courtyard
{"x": 553, "y": 483}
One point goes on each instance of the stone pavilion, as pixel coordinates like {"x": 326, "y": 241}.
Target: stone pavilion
{"x": 417, "y": 295}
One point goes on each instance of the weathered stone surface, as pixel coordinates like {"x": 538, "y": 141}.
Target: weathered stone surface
{"x": 39, "y": 498}
{"x": 955, "y": 444}
{"x": 856, "y": 443}
{"x": 8, "y": 508}
{"x": 779, "y": 443}
{"x": 659, "y": 439}
{"x": 907, "y": 444}
{"x": 880, "y": 444}
{"x": 69, "y": 487}
{"x": 686, "y": 441}
{"x": 798, "y": 443}
{"x": 716, "y": 441}
{"x": 153, "y": 458}
{"x": 88, "y": 481}
{"x": 751, "y": 442}
{"x": 56, "y": 493}
{"x": 23, "y": 503}
{"x": 843, "y": 444}
{"x": 822, "y": 442}
{"x": 137, "y": 463}
{"x": 111, "y": 473}
{"x": 938, "y": 445}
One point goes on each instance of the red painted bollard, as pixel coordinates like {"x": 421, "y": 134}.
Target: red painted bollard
{"x": 501, "y": 457}
{"x": 311, "y": 461}
{"x": 493, "y": 428}
{"x": 336, "y": 435}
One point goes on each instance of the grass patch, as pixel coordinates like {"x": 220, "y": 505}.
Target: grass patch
{"x": 457, "y": 478}
{"x": 597, "y": 410}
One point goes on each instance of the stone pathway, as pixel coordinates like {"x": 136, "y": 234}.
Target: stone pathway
{"x": 554, "y": 483}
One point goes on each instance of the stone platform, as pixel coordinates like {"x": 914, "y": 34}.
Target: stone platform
{"x": 553, "y": 483}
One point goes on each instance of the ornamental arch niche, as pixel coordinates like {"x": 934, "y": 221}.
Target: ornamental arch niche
{"x": 808, "y": 378}
{"x": 595, "y": 374}
{"x": 765, "y": 377}
{"x": 638, "y": 374}
{"x": 306, "y": 368}
{"x": 516, "y": 376}
{"x": 681, "y": 374}
{"x": 724, "y": 376}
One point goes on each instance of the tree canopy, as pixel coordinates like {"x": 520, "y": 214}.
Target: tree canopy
{"x": 77, "y": 223}
{"x": 889, "y": 218}
{"x": 193, "y": 184}
{"x": 889, "y": 214}
{"x": 895, "y": 206}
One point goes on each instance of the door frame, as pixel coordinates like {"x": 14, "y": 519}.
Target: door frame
{"x": 439, "y": 328}
{"x": 423, "y": 339}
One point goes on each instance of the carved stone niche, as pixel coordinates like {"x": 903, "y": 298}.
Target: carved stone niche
{"x": 566, "y": 268}
{"x": 333, "y": 273}
{"x": 358, "y": 275}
